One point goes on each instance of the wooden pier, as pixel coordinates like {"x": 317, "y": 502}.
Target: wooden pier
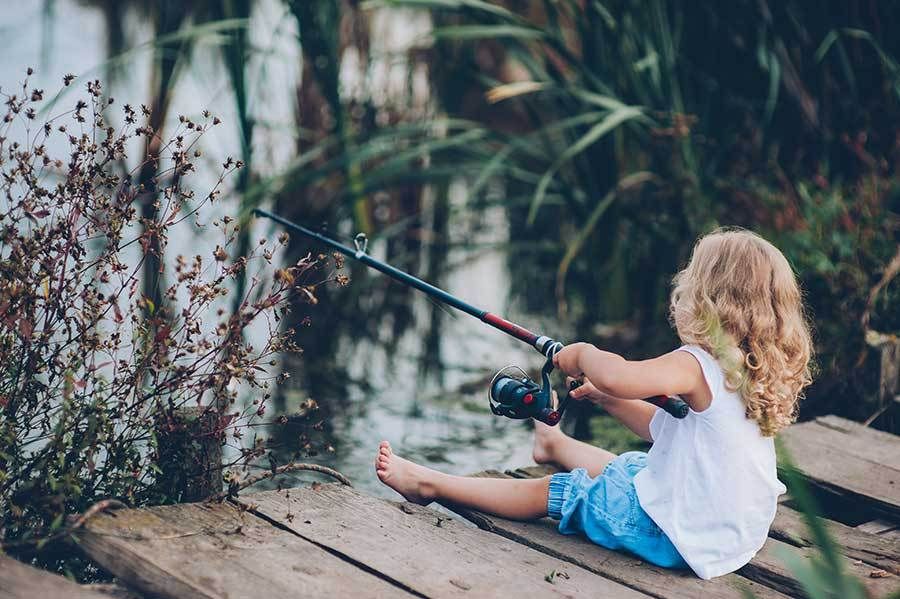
{"x": 329, "y": 540}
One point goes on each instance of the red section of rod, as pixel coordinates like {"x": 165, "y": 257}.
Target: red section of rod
{"x": 673, "y": 405}
{"x": 659, "y": 401}
{"x": 510, "y": 328}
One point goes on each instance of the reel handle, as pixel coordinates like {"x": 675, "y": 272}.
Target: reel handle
{"x": 675, "y": 406}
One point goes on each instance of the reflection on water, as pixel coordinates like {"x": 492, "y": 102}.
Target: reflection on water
{"x": 429, "y": 402}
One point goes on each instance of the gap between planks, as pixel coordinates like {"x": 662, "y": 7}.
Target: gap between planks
{"x": 252, "y": 509}
{"x": 433, "y": 554}
{"x": 215, "y": 550}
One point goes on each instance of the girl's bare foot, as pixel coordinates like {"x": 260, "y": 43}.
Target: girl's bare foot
{"x": 411, "y": 480}
{"x": 545, "y": 437}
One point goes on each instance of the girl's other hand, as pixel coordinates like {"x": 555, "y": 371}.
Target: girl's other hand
{"x": 567, "y": 358}
{"x": 586, "y": 390}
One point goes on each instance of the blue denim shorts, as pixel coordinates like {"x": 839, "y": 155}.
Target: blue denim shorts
{"x": 607, "y": 511}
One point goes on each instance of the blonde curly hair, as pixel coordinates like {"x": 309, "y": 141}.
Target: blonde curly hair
{"x": 739, "y": 300}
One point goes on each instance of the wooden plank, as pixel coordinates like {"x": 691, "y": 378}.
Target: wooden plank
{"x": 877, "y": 527}
{"x": 854, "y": 439}
{"x": 112, "y": 591}
{"x": 831, "y": 460}
{"x": 621, "y": 567}
{"x": 426, "y": 551}
{"x": 21, "y": 581}
{"x": 857, "y": 544}
{"x": 767, "y": 567}
{"x": 858, "y": 429}
{"x": 215, "y": 551}
{"x": 533, "y": 471}
{"x": 889, "y": 531}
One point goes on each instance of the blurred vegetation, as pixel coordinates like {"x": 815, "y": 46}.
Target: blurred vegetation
{"x": 615, "y": 133}
{"x": 825, "y": 575}
{"x": 102, "y": 388}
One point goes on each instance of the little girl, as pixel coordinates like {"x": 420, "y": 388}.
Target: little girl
{"x": 705, "y": 494}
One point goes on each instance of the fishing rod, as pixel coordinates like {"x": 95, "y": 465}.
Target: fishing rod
{"x": 511, "y": 392}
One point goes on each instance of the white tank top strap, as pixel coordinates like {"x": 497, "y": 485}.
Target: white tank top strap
{"x": 712, "y": 373}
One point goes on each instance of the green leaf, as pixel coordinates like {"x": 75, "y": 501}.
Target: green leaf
{"x": 828, "y": 567}
{"x": 513, "y": 90}
{"x": 804, "y": 573}
{"x": 826, "y": 44}
{"x": 574, "y": 247}
{"x": 605, "y": 14}
{"x": 493, "y": 165}
{"x": 444, "y": 4}
{"x": 529, "y": 145}
{"x": 610, "y": 122}
{"x": 603, "y": 101}
{"x": 57, "y": 522}
{"x": 477, "y": 32}
{"x": 210, "y": 32}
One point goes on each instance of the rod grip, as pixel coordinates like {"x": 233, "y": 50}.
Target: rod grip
{"x": 673, "y": 405}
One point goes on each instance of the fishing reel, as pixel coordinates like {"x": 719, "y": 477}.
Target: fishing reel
{"x": 514, "y": 395}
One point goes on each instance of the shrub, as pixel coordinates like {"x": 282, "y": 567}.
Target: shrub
{"x": 90, "y": 364}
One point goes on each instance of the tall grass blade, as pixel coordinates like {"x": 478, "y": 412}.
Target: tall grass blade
{"x": 480, "y": 5}
{"x": 626, "y": 183}
{"x": 478, "y": 32}
{"x": 609, "y": 122}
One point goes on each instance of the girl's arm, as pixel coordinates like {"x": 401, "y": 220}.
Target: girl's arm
{"x": 635, "y": 415}
{"x": 675, "y": 373}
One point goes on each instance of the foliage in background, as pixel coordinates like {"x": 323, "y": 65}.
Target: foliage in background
{"x": 616, "y": 132}
{"x": 91, "y": 368}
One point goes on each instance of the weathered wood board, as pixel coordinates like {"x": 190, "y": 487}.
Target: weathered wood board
{"x": 425, "y": 551}
{"x": 768, "y": 567}
{"x": 878, "y": 527}
{"x": 21, "y": 581}
{"x": 766, "y": 574}
{"x": 215, "y": 551}
{"x": 621, "y": 567}
{"x": 330, "y": 540}
{"x": 848, "y": 459}
{"x": 855, "y": 543}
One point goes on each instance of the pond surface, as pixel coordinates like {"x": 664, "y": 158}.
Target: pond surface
{"x": 429, "y": 402}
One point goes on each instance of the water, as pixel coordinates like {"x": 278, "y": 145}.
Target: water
{"x": 431, "y": 405}
{"x": 440, "y": 418}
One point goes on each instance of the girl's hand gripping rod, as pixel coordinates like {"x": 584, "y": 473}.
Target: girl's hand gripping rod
{"x": 511, "y": 396}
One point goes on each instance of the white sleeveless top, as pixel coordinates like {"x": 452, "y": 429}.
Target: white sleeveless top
{"x": 710, "y": 482}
